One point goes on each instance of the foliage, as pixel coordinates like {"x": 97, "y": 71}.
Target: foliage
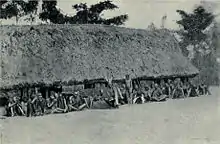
{"x": 199, "y": 42}
{"x": 195, "y": 23}
{"x": 51, "y": 13}
{"x": 17, "y": 8}
{"x": 84, "y": 14}
{"x": 8, "y": 10}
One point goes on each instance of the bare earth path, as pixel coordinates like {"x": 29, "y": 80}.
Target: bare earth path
{"x": 186, "y": 121}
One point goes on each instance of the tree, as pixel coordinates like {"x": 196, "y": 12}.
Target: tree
{"x": 51, "y": 13}
{"x": 84, "y": 14}
{"x": 29, "y": 8}
{"x": 92, "y": 14}
{"x": 199, "y": 42}
{"x": 18, "y": 8}
{"x": 195, "y": 23}
{"x": 8, "y": 10}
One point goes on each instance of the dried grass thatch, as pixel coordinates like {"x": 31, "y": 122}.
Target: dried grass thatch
{"x": 49, "y": 53}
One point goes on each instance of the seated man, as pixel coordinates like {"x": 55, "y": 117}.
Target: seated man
{"x": 178, "y": 91}
{"x": 204, "y": 90}
{"x": 194, "y": 90}
{"x": 72, "y": 104}
{"x": 157, "y": 94}
{"x": 89, "y": 101}
{"x": 139, "y": 96}
{"x": 10, "y": 108}
{"x": 147, "y": 93}
{"x": 31, "y": 107}
{"x": 186, "y": 88}
{"x": 57, "y": 104}
{"x": 39, "y": 104}
{"x": 14, "y": 107}
{"x": 61, "y": 104}
{"x": 110, "y": 102}
{"x": 112, "y": 99}
{"x": 80, "y": 102}
{"x": 51, "y": 104}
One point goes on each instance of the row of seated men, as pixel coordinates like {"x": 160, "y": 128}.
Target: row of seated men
{"x": 57, "y": 102}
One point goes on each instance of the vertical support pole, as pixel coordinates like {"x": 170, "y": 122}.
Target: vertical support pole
{"x": 21, "y": 93}
{"x": 27, "y": 93}
{"x": 47, "y": 92}
{"x": 36, "y": 91}
{"x": 24, "y": 93}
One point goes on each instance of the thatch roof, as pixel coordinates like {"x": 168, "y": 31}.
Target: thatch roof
{"x": 48, "y": 53}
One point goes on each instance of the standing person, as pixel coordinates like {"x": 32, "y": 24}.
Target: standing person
{"x": 117, "y": 93}
{"x": 170, "y": 87}
{"x": 123, "y": 93}
{"x": 164, "y": 88}
{"x": 30, "y": 107}
{"x": 120, "y": 90}
{"x": 129, "y": 88}
{"x": 152, "y": 89}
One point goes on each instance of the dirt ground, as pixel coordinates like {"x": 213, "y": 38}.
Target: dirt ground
{"x": 185, "y": 121}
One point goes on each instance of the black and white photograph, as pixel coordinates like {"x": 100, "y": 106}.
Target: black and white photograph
{"x": 109, "y": 72}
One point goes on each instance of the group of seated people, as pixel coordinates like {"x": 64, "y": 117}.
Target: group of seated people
{"x": 37, "y": 105}
{"x": 58, "y": 102}
{"x": 173, "y": 89}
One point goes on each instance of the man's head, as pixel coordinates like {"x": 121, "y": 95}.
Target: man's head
{"x": 127, "y": 76}
{"x": 56, "y": 95}
{"x": 136, "y": 86}
{"x": 169, "y": 80}
{"x": 123, "y": 86}
{"x": 101, "y": 91}
{"x": 15, "y": 98}
{"x": 52, "y": 96}
{"x": 39, "y": 95}
{"x": 76, "y": 93}
{"x": 156, "y": 85}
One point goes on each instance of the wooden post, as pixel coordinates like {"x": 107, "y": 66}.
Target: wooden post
{"x": 21, "y": 92}
{"x": 36, "y": 90}
{"x": 47, "y": 92}
{"x": 27, "y": 92}
{"x": 24, "y": 94}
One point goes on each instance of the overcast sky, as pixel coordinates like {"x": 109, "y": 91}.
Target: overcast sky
{"x": 143, "y": 12}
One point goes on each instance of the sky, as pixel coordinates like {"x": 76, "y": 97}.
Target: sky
{"x": 144, "y": 12}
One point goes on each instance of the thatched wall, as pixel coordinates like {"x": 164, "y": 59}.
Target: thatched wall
{"x": 48, "y": 53}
